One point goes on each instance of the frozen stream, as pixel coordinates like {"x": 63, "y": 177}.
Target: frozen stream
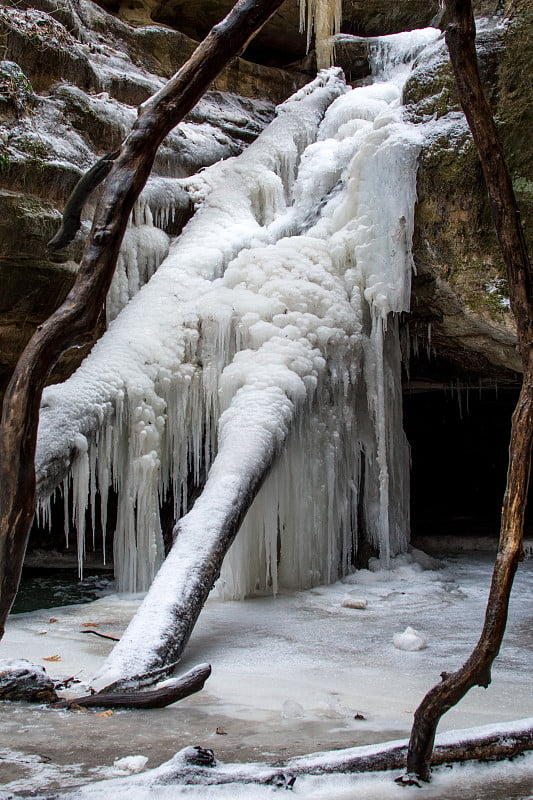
{"x": 289, "y": 675}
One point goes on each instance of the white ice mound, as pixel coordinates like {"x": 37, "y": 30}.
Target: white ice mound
{"x": 131, "y": 764}
{"x": 409, "y": 640}
{"x": 359, "y": 603}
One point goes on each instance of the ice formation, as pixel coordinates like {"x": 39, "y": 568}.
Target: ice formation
{"x": 270, "y": 331}
{"x": 410, "y": 640}
{"x": 324, "y": 17}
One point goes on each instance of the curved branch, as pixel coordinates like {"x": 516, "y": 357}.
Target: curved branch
{"x": 159, "y": 696}
{"x": 88, "y": 182}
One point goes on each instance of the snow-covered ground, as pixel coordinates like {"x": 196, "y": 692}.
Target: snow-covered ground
{"x": 290, "y": 674}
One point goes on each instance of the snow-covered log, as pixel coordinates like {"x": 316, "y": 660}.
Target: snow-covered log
{"x": 196, "y": 765}
{"x": 251, "y": 434}
{"x": 22, "y": 680}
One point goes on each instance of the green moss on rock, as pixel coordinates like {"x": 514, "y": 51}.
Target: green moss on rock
{"x": 16, "y": 91}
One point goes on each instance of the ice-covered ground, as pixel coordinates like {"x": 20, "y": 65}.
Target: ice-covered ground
{"x": 290, "y": 674}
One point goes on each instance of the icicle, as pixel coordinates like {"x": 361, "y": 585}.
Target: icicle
{"x": 80, "y": 495}
{"x": 44, "y": 512}
{"x": 324, "y": 17}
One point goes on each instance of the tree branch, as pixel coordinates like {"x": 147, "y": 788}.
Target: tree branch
{"x": 88, "y": 182}
{"x": 460, "y": 38}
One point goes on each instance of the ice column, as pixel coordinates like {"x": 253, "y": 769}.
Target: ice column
{"x": 324, "y": 17}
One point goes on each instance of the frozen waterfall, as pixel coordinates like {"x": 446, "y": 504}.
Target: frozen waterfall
{"x": 269, "y": 333}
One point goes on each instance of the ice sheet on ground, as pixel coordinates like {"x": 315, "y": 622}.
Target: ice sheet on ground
{"x": 289, "y": 676}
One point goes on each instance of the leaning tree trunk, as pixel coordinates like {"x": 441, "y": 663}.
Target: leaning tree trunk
{"x": 74, "y": 322}
{"x": 154, "y": 640}
{"x": 460, "y": 38}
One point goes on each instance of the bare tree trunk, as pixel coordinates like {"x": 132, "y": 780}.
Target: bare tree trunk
{"x": 74, "y": 322}
{"x": 155, "y": 638}
{"x": 460, "y": 38}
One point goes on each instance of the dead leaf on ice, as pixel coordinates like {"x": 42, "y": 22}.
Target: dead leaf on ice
{"x": 52, "y": 658}
{"x": 52, "y": 619}
{"x": 76, "y": 707}
{"x": 90, "y": 624}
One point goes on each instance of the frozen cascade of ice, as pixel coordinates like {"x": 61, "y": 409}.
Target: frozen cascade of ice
{"x": 391, "y": 56}
{"x": 270, "y": 327}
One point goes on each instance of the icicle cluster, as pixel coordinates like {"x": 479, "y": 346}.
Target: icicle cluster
{"x": 146, "y": 242}
{"x": 323, "y": 17}
{"x": 271, "y": 322}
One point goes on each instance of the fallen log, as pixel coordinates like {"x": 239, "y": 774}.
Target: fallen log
{"x": 197, "y": 765}
{"x": 162, "y": 695}
{"x": 22, "y": 680}
{"x": 252, "y": 430}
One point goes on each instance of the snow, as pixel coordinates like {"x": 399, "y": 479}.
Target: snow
{"x": 409, "y": 640}
{"x": 289, "y": 675}
{"x": 271, "y": 319}
{"x": 359, "y": 603}
{"x": 130, "y": 764}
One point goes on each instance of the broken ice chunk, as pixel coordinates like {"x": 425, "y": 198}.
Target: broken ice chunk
{"x": 409, "y": 640}
{"x": 354, "y": 602}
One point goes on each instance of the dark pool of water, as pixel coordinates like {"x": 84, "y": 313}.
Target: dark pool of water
{"x": 59, "y": 587}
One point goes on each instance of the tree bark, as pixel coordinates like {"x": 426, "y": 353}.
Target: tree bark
{"x": 460, "y": 38}
{"x": 74, "y": 322}
{"x": 159, "y": 697}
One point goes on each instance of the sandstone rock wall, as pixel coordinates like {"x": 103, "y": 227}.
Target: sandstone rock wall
{"x": 71, "y": 75}
{"x": 460, "y": 289}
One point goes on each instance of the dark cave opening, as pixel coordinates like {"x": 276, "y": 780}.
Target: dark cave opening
{"x": 459, "y": 438}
